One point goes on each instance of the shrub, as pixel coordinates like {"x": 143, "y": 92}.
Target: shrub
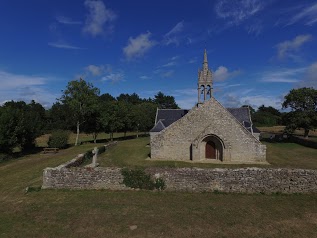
{"x": 137, "y": 178}
{"x": 4, "y": 157}
{"x": 58, "y": 139}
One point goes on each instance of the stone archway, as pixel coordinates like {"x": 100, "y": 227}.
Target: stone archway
{"x": 211, "y": 147}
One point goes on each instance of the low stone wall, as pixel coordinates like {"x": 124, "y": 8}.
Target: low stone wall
{"x": 246, "y": 180}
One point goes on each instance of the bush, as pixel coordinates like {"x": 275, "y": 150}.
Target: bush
{"x": 58, "y": 139}
{"x": 4, "y": 157}
{"x": 139, "y": 179}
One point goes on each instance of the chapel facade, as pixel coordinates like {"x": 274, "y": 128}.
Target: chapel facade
{"x": 208, "y": 132}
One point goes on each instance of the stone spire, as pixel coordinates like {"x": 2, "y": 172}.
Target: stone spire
{"x": 204, "y": 81}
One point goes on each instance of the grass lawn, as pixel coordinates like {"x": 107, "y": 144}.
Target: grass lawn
{"x": 101, "y": 213}
{"x": 132, "y": 153}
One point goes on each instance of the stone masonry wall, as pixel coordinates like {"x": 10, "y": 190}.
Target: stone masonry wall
{"x": 246, "y": 180}
{"x": 182, "y": 140}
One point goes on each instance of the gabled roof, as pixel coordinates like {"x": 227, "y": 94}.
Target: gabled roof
{"x": 165, "y": 117}
{"x": 168, "y": 116}
{"x": 158, "y": 127}
{"x": 241, "y": 114}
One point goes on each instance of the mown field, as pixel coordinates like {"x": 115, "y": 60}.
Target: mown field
{"x": 66, "y": 213}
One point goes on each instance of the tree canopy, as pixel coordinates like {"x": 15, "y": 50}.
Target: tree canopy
{"x": 303, "y": 105}
{"x": 81, "y": 98}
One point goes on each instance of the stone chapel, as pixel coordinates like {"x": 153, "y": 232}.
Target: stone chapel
{"x": 208, "y": 132}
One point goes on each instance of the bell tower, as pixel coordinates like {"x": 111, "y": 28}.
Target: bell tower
{"x": 204, "y": 81}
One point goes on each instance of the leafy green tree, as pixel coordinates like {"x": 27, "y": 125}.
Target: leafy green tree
{"x": 267, "y": 116}
{"x": 60, "y": 117}
{"x": 303, "y": 105}
{"x": 81, "y": 98}
{"x": 110, "y": 117}
{"x": 129, "y": 98}
{"x": 143, "y": 116}
{"x": 165, "y": 102}
{"x": 20, "y": 124}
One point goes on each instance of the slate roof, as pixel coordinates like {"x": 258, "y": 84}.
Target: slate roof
{"x": 165, "y": 117}
{"x": 241, "y": 114}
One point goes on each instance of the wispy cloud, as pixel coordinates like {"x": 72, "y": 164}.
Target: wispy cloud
{"x": 193, "y": 60}
{"x": 144, "y": 77}
{"x": 64, "y": 46}
{"x": 95, "y": 70}
{"x": 234, "y": 99}
{"x": 290, "y": 48}
{"x": 113, "y": 77}
{"x": 255, "y": 29}
{"x": 308, "y": 15}
{"x": 174, "y": 35}
{"x": 11, "y": 81}
{"x": 222, "y": 73}
{"x": 164, "y": 73}
{"x": 26, "y": 88}
{"x": 309, "y": 79}
{"x": 138, "y": 46}
{"x": 283, "y": 75}
{"x": 67, "y": 21}
{"x": 237, "y": 11}
{"x": 99, "y": 20}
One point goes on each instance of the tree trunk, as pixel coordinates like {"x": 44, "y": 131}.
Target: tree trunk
{"x": 111, "y": 136}
{"x": 306, "y": 133}
{"x": 77, "y": 135}
{"x": 125, "y": 134}
{"x": 137, "y": 133}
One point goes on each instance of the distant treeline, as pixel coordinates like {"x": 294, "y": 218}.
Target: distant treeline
{"x": 80, "y": 109}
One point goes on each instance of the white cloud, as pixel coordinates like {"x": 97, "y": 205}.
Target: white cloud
{"x": 308, "y": 14}
{"x": 169, "y": 64}
{"x": 255, "y": 101}
{"x": 95, "y": 70}
{"x": 25, "y": 87}
{"x": 11, "y": 81}
{"x": 237, "y": 11}
{"x": 144, "y": 77}
{"x": 174, "y": 36}
{"x": 97, "y": 18}
{"x": 222, "y": 73}
{"x": 113, "y": 77}
{"x": 64, "y": 46}
{"x": 67, "y": 21}
{"x": 138, "y": 46}
{"x": 283, "y": 75}
{"x": 167, "y": 74}
{"x": 289, "y": 48}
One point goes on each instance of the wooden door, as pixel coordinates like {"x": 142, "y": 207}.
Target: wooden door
{"x": 210, "y": 150}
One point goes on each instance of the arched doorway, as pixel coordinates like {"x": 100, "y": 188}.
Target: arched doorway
{"x": 211, "y": 147}
{"x": 210, "y": 150}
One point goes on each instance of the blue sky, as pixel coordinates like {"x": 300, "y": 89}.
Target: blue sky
{"x": 257, "y": 50}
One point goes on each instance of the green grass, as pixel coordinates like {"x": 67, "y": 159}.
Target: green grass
{"x": 101, "y": 213}
{"x": 133, "y": 153}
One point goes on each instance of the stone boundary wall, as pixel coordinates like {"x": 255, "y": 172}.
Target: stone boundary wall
{"x": 244, "y": 180}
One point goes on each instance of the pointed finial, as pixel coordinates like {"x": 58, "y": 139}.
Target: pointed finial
{"x": 205, "y": 56}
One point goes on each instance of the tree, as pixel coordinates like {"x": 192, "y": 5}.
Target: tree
{"x": 267, "y": 116}
{"x": 81, "y": 98}
{"x": 143, "y": 116}
{"x": 165, "y": 102}
{"x": 303, "y": 104}
{"x": 130, "y": 98}
{"x": 20, "y": 124}
{"x": 110, "y": 117}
